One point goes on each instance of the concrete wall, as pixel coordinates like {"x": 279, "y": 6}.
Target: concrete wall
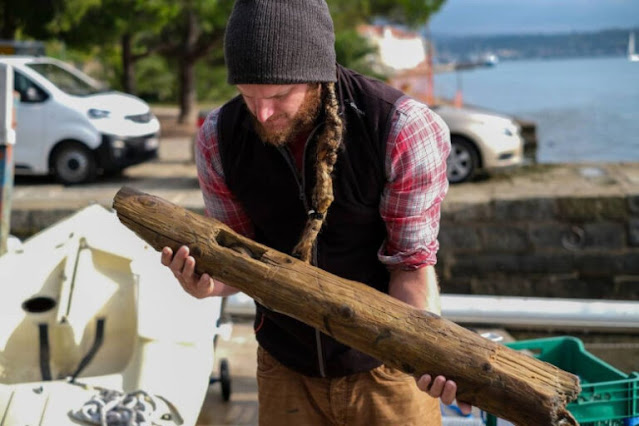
{"x": 561, "y": 246}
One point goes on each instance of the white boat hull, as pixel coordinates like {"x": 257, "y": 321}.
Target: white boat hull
{"x": 89, "y": 267}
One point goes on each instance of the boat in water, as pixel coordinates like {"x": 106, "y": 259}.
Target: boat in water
{"x": 490, "y": 60}
{"x": 632, "y": 55}
{"x": 90, "y": 321}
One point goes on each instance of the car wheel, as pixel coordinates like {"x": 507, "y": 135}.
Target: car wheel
{"x": 462, "y": 162}
{"x": 73, "y": 163}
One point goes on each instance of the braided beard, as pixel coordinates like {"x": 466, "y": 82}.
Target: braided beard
{"x": 302, "y": 122}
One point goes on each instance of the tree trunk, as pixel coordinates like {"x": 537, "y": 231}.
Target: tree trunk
{"x": 128, "y": 65}
{"x": 514, "y": 386}
{"x": 188, "y": 95}
{"x": 9, "y": 25}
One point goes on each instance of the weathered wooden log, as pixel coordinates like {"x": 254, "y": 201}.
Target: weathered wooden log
{"x": 511, "y": 385}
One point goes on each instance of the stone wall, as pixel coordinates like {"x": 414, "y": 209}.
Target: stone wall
{"x": 582, "y": 247}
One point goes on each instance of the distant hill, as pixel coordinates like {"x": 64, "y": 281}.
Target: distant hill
{"x": 613, "y": 42}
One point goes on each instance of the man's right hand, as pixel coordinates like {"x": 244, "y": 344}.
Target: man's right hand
{"x": 183, "y": 267}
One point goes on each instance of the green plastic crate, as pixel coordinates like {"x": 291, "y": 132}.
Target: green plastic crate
{"x": 608, "y": 396}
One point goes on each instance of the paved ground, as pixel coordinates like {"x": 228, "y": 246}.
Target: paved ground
{"x": 172, "y": 175}
{"x": 241, "y": 410}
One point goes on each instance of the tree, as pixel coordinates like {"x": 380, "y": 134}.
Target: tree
{"x": 412, "y": 13}
{"x": 353, "y": 51}
{"x": 40, "y": 19}
{"x": 197, "y": 32}
{"x": 132, "y": 24}
{"x": 183, "y": 31}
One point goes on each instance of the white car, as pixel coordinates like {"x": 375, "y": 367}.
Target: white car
{"x": 480, "y": 140}
{"x": 69, "y": 126}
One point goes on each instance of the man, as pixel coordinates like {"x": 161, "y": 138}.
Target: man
{"x": 315, "y": 160}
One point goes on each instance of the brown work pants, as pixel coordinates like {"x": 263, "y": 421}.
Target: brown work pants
{"x": 383, "y": 396}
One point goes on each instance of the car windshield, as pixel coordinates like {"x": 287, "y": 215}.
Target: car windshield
{"x": 65, "y": 80}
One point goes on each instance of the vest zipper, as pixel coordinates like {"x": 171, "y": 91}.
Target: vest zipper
{"x": 318, "y": 334}
{"x": 301, "y": 183}
{"x": 286, "y": 153}
{"x": 310, "y": 136}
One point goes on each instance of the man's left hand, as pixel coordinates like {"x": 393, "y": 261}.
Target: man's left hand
{"x": 444, "y": 389}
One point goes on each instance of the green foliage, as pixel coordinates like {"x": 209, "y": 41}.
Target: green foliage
{"x": 99, "y": 62}
{"x": 413, "y": 13}
{"x": 212, "y": 14}
{"x": 105, "y": 65}
{"x": 196, "y": 30}
{"x": 106, "y": 21}
{"x": 59, "y": 50}
{"x": 27, "y": 19}
{"x": 155, "y": 79}
{"x": 349, "y": 13}
{"x": 68, "y": 14}
{"x": 356, "y": 52}
{"x": 212, "y": 85}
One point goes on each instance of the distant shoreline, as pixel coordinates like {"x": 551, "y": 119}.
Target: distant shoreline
{"x": 605, "y": 43}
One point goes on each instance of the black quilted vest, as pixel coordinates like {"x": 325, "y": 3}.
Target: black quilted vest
{"x": 277, "y": 198}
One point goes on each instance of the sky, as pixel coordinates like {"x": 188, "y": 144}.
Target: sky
{"x": 460, "y": 17}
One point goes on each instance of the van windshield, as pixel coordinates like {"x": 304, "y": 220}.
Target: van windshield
{"x": 65, "y": 80}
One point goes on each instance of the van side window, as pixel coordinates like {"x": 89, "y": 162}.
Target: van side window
{"x": 29, "y": 91}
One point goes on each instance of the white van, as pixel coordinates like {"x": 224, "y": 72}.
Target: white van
{"x": 71, "y": 127}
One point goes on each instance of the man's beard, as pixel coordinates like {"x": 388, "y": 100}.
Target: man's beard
{"x": 303, "y": 121}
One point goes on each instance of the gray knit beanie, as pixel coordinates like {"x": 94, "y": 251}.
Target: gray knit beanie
{"x": 280, "y": 42}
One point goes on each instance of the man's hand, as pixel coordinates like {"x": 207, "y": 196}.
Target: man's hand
{"x": 443, "y": 389}
{"x": 183, "y": 267}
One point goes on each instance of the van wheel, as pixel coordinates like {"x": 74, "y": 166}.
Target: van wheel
{"x": 73, "y": 163}
{"x": 462, "y": 162}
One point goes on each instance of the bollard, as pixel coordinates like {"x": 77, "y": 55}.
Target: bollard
{"x": 7, "y": 140}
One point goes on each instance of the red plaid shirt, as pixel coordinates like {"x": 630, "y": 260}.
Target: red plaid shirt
{"x": 416, "y": 183}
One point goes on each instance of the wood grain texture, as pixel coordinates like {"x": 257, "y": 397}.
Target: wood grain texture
{"x": 511, "y": 385}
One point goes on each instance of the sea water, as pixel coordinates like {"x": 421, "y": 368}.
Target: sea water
{"x": 586, "y": 109}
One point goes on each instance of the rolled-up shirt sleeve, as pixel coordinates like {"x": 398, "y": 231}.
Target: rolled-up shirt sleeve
{"x": 416, "y": 152}
{"x": 219, "y": 201}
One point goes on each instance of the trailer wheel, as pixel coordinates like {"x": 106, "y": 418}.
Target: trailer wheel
{"x": 225, "y": 379}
